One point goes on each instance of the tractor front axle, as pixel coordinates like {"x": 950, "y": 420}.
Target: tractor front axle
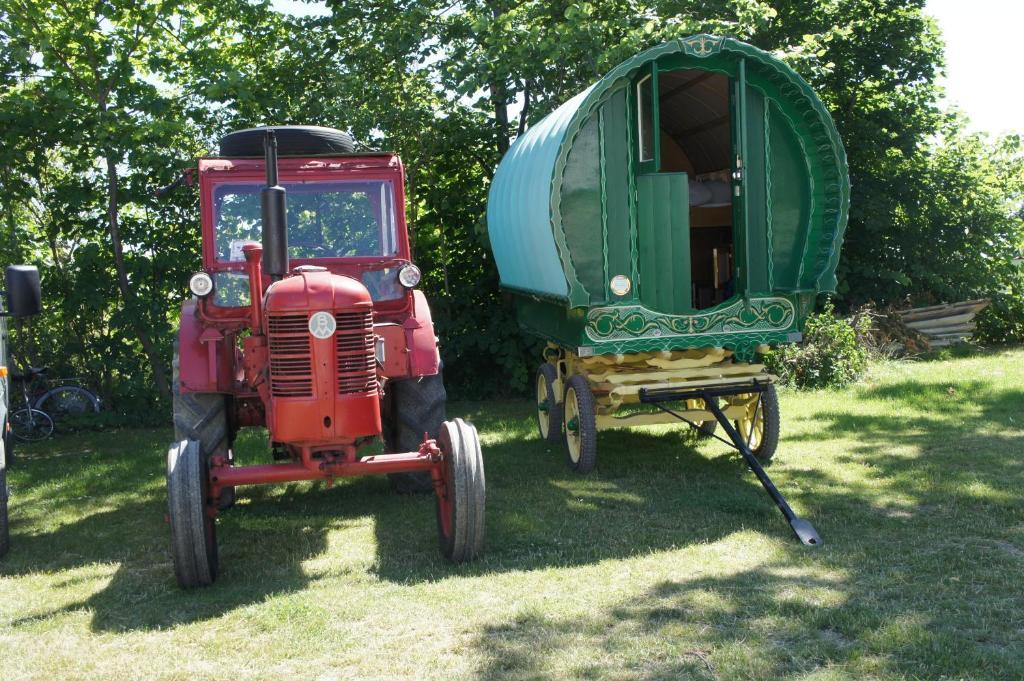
{"x": 222, "y": 474}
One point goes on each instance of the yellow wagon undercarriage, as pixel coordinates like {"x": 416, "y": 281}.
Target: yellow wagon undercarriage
{"x": 617, "y": 379}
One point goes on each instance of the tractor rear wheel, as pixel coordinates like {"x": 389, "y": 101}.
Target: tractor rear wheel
{"x": 462, "y": 497}
{"x": 202, "y": 417}
{"x": 416, "y": 406}
{"x": 193, "y": 532}
{"x": 5, "y": 537}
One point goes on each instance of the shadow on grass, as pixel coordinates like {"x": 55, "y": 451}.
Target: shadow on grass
{"x": 109, "y": 507}
{"x": 649, "y": 492}
{"x": 764, "y": 623}
{"x": 917, "y": 576}
{"x": 652, "y": 492}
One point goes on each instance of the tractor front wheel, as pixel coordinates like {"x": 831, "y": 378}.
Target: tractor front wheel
{"x": 193, "y": 532}
{"x": 463, "y": 492}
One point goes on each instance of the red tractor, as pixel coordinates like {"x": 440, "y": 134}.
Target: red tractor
{"x": 306, "y": 321}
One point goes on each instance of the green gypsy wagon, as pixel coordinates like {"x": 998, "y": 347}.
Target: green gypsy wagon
{"x": 662, "y": 228}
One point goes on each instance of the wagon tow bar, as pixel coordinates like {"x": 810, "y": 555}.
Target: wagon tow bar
{"x": 802, "y": 528}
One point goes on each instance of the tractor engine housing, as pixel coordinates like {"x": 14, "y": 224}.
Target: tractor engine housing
{"x": 320, "y": 343}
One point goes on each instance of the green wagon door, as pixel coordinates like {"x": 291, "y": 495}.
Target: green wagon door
{"x": 663, "y": 242}
{"x": 750, "y": 186}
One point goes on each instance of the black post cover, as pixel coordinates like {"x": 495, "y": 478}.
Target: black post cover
{"x": 24, "y": 295}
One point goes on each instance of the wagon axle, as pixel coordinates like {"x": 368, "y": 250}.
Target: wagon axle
{"x": 803, "y": 529}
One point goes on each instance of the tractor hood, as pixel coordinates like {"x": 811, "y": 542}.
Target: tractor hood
{"x": 311, "y": 288}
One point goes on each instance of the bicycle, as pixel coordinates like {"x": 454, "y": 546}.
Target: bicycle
{"x": 47, "y": 404}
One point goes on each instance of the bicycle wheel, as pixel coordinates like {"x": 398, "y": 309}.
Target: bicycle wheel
{"x": 67, "y": 400}
{"x": 31, "y": 425}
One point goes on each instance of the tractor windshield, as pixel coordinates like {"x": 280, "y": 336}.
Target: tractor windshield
{"x": 326, "y": 219}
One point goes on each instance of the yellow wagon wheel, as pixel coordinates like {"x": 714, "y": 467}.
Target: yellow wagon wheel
{"x": 580, "y": 425}
{"x": 549, "y": 410}
{"x": 759, "y": 426}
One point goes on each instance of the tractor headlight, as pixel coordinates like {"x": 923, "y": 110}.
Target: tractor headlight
{"x": 409, "y": 275}
{"x": 200, "y": 284}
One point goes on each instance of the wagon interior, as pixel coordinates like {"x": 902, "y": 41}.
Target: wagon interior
{"x": 695, "y": 122}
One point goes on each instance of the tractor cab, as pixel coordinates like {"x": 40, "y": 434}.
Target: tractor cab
{"x": 305, "y": 320}
{"x": 345, "y": 214}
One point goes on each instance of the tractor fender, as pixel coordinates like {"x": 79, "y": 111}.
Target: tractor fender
{"x": 424, "y": 358}
{"x": 204, "y": 365}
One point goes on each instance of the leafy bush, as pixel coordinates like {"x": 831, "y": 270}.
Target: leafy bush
{"x": 833, "y": 353}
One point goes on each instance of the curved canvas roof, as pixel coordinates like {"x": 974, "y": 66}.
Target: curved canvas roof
{"x": 524, "y": 204}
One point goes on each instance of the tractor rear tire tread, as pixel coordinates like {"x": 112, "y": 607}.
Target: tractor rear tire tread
{"x": 200, "y": 416}
{"x": 417, "y": 407}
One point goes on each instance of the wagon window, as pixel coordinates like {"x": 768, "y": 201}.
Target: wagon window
{"x": 645, "y": 117}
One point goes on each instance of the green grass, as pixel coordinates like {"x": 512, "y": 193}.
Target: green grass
{"x": 668, "y": 562}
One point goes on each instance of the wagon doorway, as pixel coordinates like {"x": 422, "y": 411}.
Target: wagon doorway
{"x": 686, "y": 146}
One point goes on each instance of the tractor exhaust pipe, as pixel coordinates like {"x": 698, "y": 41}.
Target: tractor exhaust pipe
{"x": 275, "y": 215}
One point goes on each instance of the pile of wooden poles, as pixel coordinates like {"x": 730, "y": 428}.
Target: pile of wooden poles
{"x": 944, "y": 324}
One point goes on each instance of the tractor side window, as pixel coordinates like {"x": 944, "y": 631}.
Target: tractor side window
{"x": 326, "y": 219}
{"x": 383, "y": 284}
{"x": 230, "y": 289}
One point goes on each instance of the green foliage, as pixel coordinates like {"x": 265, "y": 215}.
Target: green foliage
{"x": 95, "y": 91}
{"x": 833, "y": 353}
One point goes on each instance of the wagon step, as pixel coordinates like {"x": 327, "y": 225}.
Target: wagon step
{"x": 801, "y": 527}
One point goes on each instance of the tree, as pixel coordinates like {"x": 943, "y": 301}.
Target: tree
{"x": 104, "y": 101}
{"x": 92, "y": 61}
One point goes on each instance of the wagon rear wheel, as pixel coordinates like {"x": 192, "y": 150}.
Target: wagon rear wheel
{"x": 193, "y": 532}
{"x": 549, "y": 409}
{"x": 580, "y": 425}
{"x": 462, "y": 496}
{"x": 759, "y": 427}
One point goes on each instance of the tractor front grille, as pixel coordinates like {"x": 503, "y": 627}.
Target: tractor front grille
{"x": 291, "y": 364}
{"x": 357, "y": 362}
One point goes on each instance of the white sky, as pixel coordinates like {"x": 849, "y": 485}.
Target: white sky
{"x": 982, "y": 57}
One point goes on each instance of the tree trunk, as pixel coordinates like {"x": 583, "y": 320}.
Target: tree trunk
{"x": 498, "y": 97}
{"x": 159, "y": 376}
{"x": 499, "y": 94}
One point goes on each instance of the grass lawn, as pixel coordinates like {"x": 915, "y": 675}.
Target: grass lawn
{"x": 668, "y": 562}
